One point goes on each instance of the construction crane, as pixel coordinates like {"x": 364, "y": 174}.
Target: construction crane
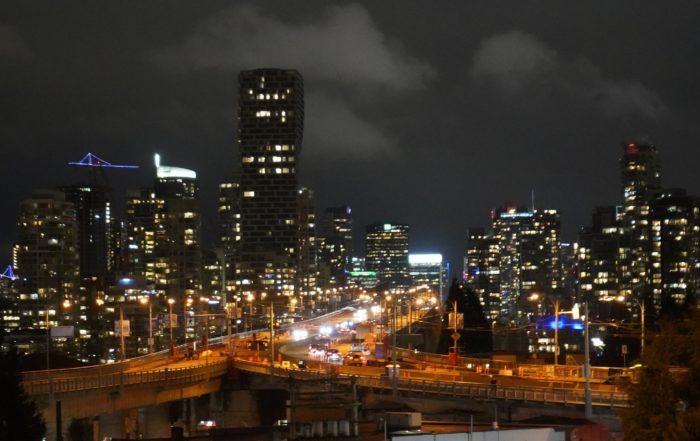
{"x": 9, "y": 274}
{"x": 94, "y": 162}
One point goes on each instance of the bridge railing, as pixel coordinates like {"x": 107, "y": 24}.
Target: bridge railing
{"x": 203, "y": 370}
{"x": 449, "y": 388}
{"x": 494, "y": 366}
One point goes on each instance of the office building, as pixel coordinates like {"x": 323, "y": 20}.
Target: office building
{"x": 270, "y": 129}
{"x": 386, "y": 253}
{"x": 428, "y": 270}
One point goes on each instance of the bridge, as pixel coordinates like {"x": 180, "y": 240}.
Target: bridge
{"x": 150, "y": 381}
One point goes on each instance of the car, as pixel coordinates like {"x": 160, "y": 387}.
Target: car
{"x": 335, "y": 358}
{"x": 354, "y": 360}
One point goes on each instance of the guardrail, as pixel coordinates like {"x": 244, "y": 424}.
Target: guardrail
{"x": 200, "y": 372}
{"x": 55, "y": 376}
{"x": 527, "y": 370}
{"x": 447, "y": 388}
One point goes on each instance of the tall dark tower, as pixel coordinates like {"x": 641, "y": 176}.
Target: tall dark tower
{"x": 336, "y": 249}
{"x": 270, "y": 127}
{"x": 640, "y": 182}
{"x": 93, "y": 213}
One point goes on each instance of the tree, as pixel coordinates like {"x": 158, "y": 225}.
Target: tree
{"x": 475, "y": 338}
{"x": 19, "y": 417}
{"x": 664, "y": 403}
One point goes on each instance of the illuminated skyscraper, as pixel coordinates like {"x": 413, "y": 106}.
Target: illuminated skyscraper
{"x": 144, "y": 213}
{"x": 429, "y": 270}
{"x": 47, "y": 259}
{"x": 163, "y": 242}
{"x": 336, "y": 248}
{"x": 482, "y": 271}
{"x": 528, "y": 247}
{"x": 178, "y": 245}
{"x": 229, "y": 227}
{"x": 675, "y": 254}
{"x": 640, "y": 181}
{"x": 270, "y": 128}
{"x": 307, "y": 271}
{"x": 386, "y": 253}
{"x": 602, "y": 261}
{"x": 93, "y": 214}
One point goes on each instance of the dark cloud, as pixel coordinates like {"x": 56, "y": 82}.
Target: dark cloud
{"x": 428, "y": 113}
{"x": 337, "y": 132}
{"x": 12, "y": 45}
{"x": 342, "y": 44}
{"x": 517, "y": 62}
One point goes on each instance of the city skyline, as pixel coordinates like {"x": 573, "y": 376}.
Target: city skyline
{"x": 423, "y": 116}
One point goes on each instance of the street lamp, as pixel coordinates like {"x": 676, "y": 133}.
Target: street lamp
{"x": 145, "y": 300}
{"x": 65, "y": 304}
{"x": 170, "y": 321}
{"x": 555, "y": 303}
{"x": 641, "y": 319}
{"x": 250, "y": 299}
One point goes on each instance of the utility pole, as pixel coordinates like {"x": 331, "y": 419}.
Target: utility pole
{"x": 121, "y": 331}
{"x": 556, "y": 334}
{"x": 272, "y": 336}
{"x": 455, "y": 335}
{"x": 394, "y": 379}
{"x": 587, "y": 371}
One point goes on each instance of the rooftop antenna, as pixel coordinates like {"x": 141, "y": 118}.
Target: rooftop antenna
{"x": 9, "y": 273}
{"x": 532, "y": 199}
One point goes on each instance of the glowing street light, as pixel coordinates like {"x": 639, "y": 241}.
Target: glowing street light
{"x": 170, "y": 321}
{"x": 145, "y": 300}
{"x": 641, "y": 318}
{"x": 535, "y": 297}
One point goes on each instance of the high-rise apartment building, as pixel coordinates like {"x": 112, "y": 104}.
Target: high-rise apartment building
{"x": 640, "y": 182}
{"x": 270, "y": 130}
{"x": 47, "y": 260}
{"x": 674, "y": 219}
{"x": 93, "y": 214}
{"x": 229, "y": 228}
{"x": 144, "y": 218}
{"x": 178, "y": 242}
{"x": 163, "y": 233}
{"x": 386, "y": 253}
{"x": 336, "y": 249}
{"x": 602, "y": 261}
{"x": 528, "y": 248}
{"x": 482, "y": 271}
{"x": 307, "y": 271}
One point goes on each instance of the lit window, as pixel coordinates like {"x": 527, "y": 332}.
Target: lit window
{"x": 248, "y": 194}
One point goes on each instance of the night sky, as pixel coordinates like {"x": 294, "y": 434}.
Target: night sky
{"x": 428, "y": 113}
